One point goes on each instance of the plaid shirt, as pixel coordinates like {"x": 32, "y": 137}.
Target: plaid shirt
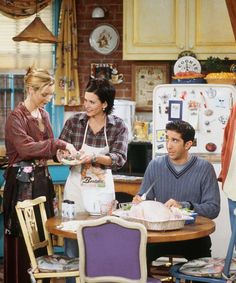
{"x": 117, "y": 135}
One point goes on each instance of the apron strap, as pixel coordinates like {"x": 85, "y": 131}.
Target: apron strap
{"x": 105, "y": 133}
{"x": 85, "y": 134}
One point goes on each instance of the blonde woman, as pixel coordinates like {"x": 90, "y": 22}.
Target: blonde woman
{"x": 29, "y": 144}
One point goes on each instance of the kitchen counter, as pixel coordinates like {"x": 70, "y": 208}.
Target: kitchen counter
{"x": 127, "y": 179}
{"x": 127, "y": 184}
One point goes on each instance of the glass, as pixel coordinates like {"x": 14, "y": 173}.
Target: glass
{"x": 107, "y": 207}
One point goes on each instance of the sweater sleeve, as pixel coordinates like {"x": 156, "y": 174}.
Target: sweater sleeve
{"x": 20, "y": 140}
{"x": 209, "y": 205}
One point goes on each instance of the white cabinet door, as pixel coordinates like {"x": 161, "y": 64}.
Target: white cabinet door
{"x": 153, "y": 29}
{"x": 161, "y": 29}
{"x": 209, "y": 31}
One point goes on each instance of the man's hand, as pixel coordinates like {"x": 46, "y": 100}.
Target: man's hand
{"x": 171, "y": 202}
{"x": 137, "y": 199}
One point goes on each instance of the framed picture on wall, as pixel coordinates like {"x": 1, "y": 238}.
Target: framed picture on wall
{"x": 145, "y": 77}
{"x": 102, "y": 70}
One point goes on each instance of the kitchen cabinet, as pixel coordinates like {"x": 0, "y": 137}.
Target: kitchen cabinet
{"x": 160, "y": 30}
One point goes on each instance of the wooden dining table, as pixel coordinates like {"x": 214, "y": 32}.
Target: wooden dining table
{"x": 201, "y": 228}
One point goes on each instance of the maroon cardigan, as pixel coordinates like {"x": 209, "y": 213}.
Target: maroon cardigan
{"x": 228, "y": 143}
{"x": 24, "y": 140}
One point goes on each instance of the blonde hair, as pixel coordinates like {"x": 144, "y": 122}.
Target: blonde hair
{"x": 37, "y": 79}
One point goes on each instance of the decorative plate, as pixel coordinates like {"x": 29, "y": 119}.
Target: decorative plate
{"x": 104, "y": 39}
{"x": 71, "y": 162}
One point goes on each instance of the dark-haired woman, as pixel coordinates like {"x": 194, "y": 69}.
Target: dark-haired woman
{"x": 102, "y": 140}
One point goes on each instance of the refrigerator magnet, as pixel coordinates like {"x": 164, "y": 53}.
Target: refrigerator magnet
{"x": 160, "y": 146}
{"x": 211, "y": 147}
{"x": 175, "y": 110}
{"x": 161, "y": 135}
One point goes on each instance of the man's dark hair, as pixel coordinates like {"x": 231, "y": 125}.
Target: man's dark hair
{"x": 184, "y": 128}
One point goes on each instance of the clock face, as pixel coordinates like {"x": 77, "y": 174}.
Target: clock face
{"x": 187, "y": 64}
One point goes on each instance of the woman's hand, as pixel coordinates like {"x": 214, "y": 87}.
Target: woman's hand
{"x": 72, "y": 150}
{"x": 85, "y": 157}
{"x": 61, "y": 154}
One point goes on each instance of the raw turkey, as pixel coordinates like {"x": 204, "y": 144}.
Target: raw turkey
{"x": 154, "y": 211}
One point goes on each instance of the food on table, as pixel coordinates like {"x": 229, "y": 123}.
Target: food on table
{"x": 154, "y": 211}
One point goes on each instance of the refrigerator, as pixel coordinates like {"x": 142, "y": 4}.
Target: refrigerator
{"x": 205, "y": 106}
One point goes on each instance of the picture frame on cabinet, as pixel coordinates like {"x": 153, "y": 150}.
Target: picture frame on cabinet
{"x": 145, "y": 77}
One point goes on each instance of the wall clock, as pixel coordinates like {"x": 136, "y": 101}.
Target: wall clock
{"x": 187, "y": 64}
{"x": 104, "y": 39}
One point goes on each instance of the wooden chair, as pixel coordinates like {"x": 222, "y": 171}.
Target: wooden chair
{"x": 211, "y": 272}
{"x": 49, "y": 265}
{"x": 112, "y": 250}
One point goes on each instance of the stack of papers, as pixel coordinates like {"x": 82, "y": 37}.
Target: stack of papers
{"x": 71, "y": 225}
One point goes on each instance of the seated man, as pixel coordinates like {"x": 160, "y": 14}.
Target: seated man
{"x": 184, "y": 181}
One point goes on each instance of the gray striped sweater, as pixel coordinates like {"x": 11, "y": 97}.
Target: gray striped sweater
{"x": 196, "y": 183}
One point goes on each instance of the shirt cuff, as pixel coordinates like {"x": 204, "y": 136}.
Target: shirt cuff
{"x": 61, "y": 144}
{"x": 185, "y": 204}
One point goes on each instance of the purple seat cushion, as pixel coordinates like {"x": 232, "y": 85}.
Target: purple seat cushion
{"x": 112, "y": 250}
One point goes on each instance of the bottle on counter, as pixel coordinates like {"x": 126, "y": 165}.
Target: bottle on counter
{"x": 55, "y": 206}
{"x": 71, "y": 209}
{"x": 68, "y": 209}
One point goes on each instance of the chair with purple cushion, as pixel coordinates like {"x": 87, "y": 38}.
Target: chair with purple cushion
{"x": 112, "y": 250}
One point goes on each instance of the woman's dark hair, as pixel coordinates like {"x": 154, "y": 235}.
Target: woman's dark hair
{"x": 104, "y": 90}
{"x": 184, "y": 128}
